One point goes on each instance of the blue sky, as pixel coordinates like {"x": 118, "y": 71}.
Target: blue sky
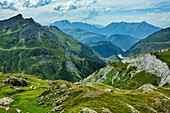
{"x": 103, "y": 12}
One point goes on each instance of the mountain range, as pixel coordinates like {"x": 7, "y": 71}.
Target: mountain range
{"x": 137, "y": 30}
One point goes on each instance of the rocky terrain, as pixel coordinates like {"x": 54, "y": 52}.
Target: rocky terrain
{"x": 64, "y": 97}
{"x": 134, "y": 71}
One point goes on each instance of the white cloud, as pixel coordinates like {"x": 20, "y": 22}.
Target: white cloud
{"x": 74, "y": 4}
{"x": 22, "y": 4}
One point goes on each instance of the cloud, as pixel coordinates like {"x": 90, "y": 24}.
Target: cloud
{"x": 74, "y": 4}
{"x": 22, "y": 4}
{"x": 91, "y": 14}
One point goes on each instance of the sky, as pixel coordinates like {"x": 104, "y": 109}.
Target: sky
{"x": 102, "y": 12}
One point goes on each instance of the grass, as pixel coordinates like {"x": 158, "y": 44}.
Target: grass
{"x": 28, "y": 100}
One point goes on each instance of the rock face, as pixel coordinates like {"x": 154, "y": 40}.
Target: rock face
{"x": 16, "y": 81}
{"x": 105, "y": 70}
{"x": 151, "y": 64}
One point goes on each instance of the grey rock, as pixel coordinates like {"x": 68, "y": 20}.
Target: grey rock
{"x": 93, "y": 94}
{"x": 63, "y": 86}
{"x": 109, "y": 90}
{"x": 57, "y": 108}
{"x": 15, "y": 81}
{"x": 6, "y": 101}
{"x": 2, "y": 85}
{"x": 19, "y": 89}
{"x": 87, "y": 110}
{"x": 151, "y": 64}
{"x": 41, "y": 103}
{"x": 11, "y": 87}
{"x": 48, "y": 104}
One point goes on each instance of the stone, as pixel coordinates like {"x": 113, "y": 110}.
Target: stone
{"x": 6, "y": 101}
{"x": 19, "y": 89}
{"x": 146, "y": 88}
{"x": 11, "y": 87}
{"x": 109, "y": 90}
{"x": 105, "y": 110}
{"x": 15, "y": 81}
{"x": 41, "y": 103}
{"x": 87, "y": 110}
{"x": 75, "y": 92}
{"x": 2, "y": 85}
{"x": 93, "y": 94}
{"x": 48, "y": 104}
{"x": 57, "y": 108}
{"x": 63, "y": 86}
{"x": 77, "y": 83}
{"x": 32, "y": 87}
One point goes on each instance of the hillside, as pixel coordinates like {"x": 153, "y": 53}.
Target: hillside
{"x": 60, "y": 96}
{"x": 156, "y": 41}
{"x": 137, "y": 30}
{"x": 124, "y": 42}
{"x": 84, "y": 36}
{"x": 135, "y": 71}
{"x": 28, "y": 47}
{"x": 106, "y": 49}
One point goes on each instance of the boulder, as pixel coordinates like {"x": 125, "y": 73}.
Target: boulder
{"x": 93, "y": 94}
{"x": 11, "y": 87}
{"x": 87, "y": 110}
{"x": 48, "y": 104}
{"x": 6, "y": 101}
{"x": 63, "y": 86}
{"x": 109, "y": 90}
{"x": 57, "y": 108}
{"x": 15, "y": 81}
{"x": 146, "y": 88}
{"x": 19, "y": 89}
{"x": 2, "y": 85}
{"x": 41, "y": 103}
{"x": 32, "y": 87}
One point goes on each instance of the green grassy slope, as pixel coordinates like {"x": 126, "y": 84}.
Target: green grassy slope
{"x": 156, "y": 41}
{"x": 77, "y": 97}
{"x": 106, "y": 49}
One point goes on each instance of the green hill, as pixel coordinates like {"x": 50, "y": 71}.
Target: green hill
{"x": 28, "y": 47}
{"x": 156, "y": 41}
{"x": 123, "y": 41}
{"x": 106, "y": 49}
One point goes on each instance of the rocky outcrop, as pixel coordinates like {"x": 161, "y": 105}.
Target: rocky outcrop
{"x": 93, "y": 94}
{"x": 6, "y": 101}
{"x": 87, "y": 110}
{"x": 15, "y": 81}
{"x": 146, "y": 88}
{"x": 100, "y": 75}
{"x": 71, "y": 65}
{"x": 151, "y": 64}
